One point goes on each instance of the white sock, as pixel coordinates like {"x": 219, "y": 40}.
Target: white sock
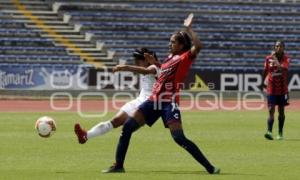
{"x": 100, "y": 129}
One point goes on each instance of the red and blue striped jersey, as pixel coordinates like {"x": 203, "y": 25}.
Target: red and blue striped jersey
{"x": 173, "y": 71}
{"x": 277, "y": 80}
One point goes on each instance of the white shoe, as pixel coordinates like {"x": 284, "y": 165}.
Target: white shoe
{"x": 279, "y": 137}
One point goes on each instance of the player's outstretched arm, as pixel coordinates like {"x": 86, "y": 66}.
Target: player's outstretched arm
{"x": 135, "y": 69}
{"x": 197, "y": 44}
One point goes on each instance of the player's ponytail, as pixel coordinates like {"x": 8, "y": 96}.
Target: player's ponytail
{"x": 139, "y": 53}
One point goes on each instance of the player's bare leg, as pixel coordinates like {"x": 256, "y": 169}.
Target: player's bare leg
{"x": 188, "y": 145}
{"x": 269, "y": 135}
{"x": 130, "y": 126}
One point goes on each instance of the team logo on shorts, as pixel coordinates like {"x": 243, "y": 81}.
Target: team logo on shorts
{"x": 176, "y": 115}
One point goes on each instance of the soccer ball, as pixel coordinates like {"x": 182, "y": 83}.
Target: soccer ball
{"x": 45, "y": 126}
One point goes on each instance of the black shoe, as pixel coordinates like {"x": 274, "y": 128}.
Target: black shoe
{"x": 114, "y": 169}
{"x": 269, "y": 135}
{"x": 215, "y": 170}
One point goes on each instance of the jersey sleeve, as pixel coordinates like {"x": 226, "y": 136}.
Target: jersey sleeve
{"x": 187, "y": 56}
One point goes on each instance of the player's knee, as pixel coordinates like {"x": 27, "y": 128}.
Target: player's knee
{"x": 139, "y": 117}
{"x": 117, "y": 122}
{"x": 271, "y": 111}
{"x": 130, "y": 125}
{"x": 281, "y": 111}
{"x": 281, "y": 116}
{"x": 179, "y": 137}
{"x": 271, "y": 116}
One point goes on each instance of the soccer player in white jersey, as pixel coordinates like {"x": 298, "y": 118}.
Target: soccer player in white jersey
{"x": 149, "y": 74}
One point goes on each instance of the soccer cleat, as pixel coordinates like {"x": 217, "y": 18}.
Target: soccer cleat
{"x": 114, "y": 169}
{"x": 216, "y": 171}
{"x": 81, "y": 134}
{"x": 279, "y": 136}
{"x": 269, "y": 135}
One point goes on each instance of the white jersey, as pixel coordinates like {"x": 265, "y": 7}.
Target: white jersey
{"x": 147, "y": 82}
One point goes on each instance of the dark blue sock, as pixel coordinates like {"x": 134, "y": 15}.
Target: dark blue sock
{"x": 270, "y": 124}
{"x": 128, "y": 128}
{"x": 189, "y": 146}
{"x": 281, "y": 119}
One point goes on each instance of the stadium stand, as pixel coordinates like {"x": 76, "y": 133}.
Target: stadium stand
{"x": 31, "y": 32}
{"x": 236, "y": 34}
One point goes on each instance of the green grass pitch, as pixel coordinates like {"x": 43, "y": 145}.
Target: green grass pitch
{"x": 231, "y": 140}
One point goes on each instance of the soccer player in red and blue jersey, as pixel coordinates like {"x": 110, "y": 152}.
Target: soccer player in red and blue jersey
{"x": 164, "y": 99}
{"x": 276, "y": 74}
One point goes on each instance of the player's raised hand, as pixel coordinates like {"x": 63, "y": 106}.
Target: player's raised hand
{"x": 197, "y": 45}
{"x": 188, "y": 21}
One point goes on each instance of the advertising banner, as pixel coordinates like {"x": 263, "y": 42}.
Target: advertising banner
{"x": 233, "y": 80}
{"x": 197, "y": 80}
{"x": 43, "y": 76}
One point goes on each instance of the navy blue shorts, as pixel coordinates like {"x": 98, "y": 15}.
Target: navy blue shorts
{"x": 152, "y": 111}
{"x": 281, "y": 100}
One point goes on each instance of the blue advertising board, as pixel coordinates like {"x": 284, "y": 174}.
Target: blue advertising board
{"x": 43, "y": 76}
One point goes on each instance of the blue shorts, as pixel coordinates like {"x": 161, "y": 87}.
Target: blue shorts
{"x": 152, "y": 111}
{"x": 281, "y": 100}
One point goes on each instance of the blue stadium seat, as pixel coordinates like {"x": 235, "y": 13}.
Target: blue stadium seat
{"x": 13, "y": 32}
{"x": 61, "y": 58}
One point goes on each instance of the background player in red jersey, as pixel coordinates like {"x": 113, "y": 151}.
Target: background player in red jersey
{"x": 276, "y": 73}
{"x": 164, "y": 99}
